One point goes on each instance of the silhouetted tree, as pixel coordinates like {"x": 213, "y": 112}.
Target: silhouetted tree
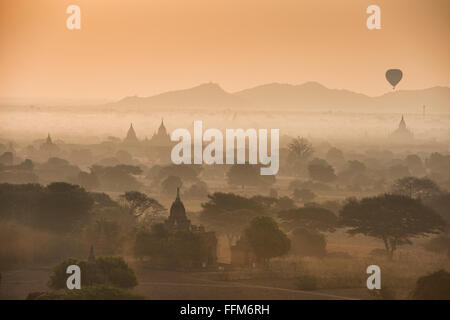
{"x": 139, "y": 204}
{"x": 439, "y": 164}
{"x": 183, "y": 171}
{"x": 392, "y": 218}
{"x": 102, "y": 200}
{"x": 151, "y": 242}
{"x": 88, "y": 180}
{"x": 268, "y": 203}
{"x": 353, "y": 169}
{"x": 219, "y": 201}
{"x": 57, "y": 169}
{"x": 248, "y": 175}
{"x": 441, "y": 204}
{"x": 435, "y": 286}
{"x": 335, "y": 155}
{"x": 417, "y": 188}
{"x": 398, "y": 171}
{"x": 61, "y": 206}
{"x": 106, "y": 270}
{"x": 18, "y": 174}
{"x": 228, "y": 213}
{"x": 177, "y": 249}
{"x": 118, "y": 178}
{"x": 266, "y": 239}
{"x": 19, "y": 201}
{"x": 285, "y": 203}
{"x": 299, "y": 151}
{"x": 321, "y": 170}
{"x": 229, "y": 223}
{"x": 415, "y": 164}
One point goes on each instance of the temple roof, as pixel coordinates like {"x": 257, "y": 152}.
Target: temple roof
{"x": 177, "y": 215}
{"x": 402, "y": 124}
{"x": 131, "y": 134}
{"x": 162, "y": 129}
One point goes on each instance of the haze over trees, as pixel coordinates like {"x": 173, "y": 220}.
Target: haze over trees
{"x": 299, "y": 151}
{"x": 229, "y": 213}
{"x": 58, "y": 207}
{"x": 248, "y": 175}
{"x": 266, "y": 239}
{"x": 417, "y": 188}
{"x": 394, "y": 219}
{"x": 114, "y": 196}
{"x": 180, "y": 249}
{"x": 140, "y": 204}
{"x": 306, "y": 225}
{"x": 321, "y": 170}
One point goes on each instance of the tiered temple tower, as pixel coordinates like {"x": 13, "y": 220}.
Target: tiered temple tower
{"x": 402, "y": 134}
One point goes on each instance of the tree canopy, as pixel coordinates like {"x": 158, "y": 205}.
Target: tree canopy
{"x": 140, "y": 204}
{"x": 417, "y": 188}
{"x": 266, "y": 239}
{"x": 248, "y": 175}
{"x": 393, "y": 218}
{"x": 228, "y": 213}
{"x": 321, "y": 170}
{"x": 312, "y": 218}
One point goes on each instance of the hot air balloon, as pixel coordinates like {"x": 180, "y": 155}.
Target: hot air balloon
{"x": 394, "y": 76}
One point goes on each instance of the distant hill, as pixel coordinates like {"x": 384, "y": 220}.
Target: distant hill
{"x": 436, "y": 99}
{"x": 309, "y": 96}
{"x": 204, "y": 95}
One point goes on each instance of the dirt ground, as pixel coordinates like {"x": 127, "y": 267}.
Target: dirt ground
{"x": 159, "y": 285}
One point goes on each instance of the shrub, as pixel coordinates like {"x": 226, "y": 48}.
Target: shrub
{"x": 266, "y": 239}
{"x": 113, "y": 271}
{"x": 385, "y": 293}
{"x": 97, "y": 292}
{"x": 116, "y": 271}
{"x": 435, "y": 286}
{"x": 306, "y": 282}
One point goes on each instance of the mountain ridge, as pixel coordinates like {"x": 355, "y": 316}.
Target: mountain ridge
{"x": 306, "y": 96}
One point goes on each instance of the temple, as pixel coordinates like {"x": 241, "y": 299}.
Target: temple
{"x": 402, "y": 134}
{"x": 160, "y": 138}
{"x": 178, "y": 221}
{"x": 49, "y": 149}
{"x": 131, "y": 138}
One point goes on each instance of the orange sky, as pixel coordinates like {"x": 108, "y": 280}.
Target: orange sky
{"x": 146, "y": 47}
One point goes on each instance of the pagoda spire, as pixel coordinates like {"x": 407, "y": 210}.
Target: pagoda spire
{"x": 131, "y": 134}
{"x": 49, "y": 139}
{"x": 402, "y": 124}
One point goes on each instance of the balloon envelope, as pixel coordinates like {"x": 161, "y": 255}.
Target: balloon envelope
{"x": 394, "y": 76}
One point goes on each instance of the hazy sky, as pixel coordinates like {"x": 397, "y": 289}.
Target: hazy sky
{"x": 147, "y": 47}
